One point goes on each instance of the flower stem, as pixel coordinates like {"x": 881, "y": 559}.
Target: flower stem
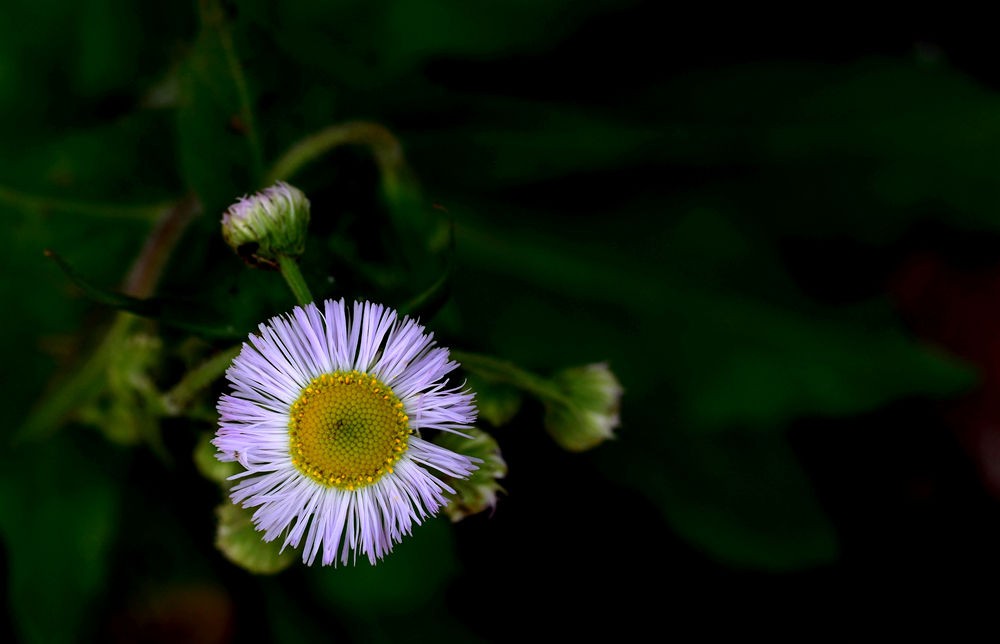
{"x": 383, "y": 144}
{"x": 147, "y": 269}
{"x": 293, "y": 276}
{"x": 497, "y": 370}
{"x": 175, "y": 400}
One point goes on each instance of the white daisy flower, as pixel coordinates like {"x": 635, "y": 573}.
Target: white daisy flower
{"x": 325, "y": 414}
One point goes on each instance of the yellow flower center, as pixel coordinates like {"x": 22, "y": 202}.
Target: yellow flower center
{"x": 347, "y": 430}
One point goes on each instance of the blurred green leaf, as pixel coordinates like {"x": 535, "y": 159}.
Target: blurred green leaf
{"x": 751, "y": 366}
{"x": 59, "y": 507}
{"x": 742, "y": 499}
{"x": 109, "y": 32}
{"x": 237, "y": 539}
{"x": 87, "y": 164}
{"x": 219, "y": 153}
{"x": 403, "y": 35}
{"x": 128, "y": 409}
{"x": 517, "y": 142}
{"x": 852, "y": 149}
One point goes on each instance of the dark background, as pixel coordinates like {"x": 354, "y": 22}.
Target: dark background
{"x": 781, "y": 234}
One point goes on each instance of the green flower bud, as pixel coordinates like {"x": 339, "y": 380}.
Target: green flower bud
{"x": 210, "y": 467}
{"x": 239, "y": 541}
{"x": 268, "y": 224}
{"x": 587, "y": 413}
{"x": 479, "y": 491}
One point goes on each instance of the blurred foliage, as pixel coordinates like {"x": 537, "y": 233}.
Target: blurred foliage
{"x": 651, "y": 230}
{"x": 61, "y": 506}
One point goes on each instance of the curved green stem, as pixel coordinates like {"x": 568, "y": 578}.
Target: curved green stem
{"x": 293, "y": 276}
{"x": 178, "y": 398}
{"x": 497, "y": 370}
{"x": 382, "y": 143}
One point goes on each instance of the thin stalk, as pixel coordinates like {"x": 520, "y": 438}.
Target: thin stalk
{"x": 383, "y": 144}
{"x": 180, "y": 396}
{"x": 293, "y": 277}
{"x": 497, "y": 370}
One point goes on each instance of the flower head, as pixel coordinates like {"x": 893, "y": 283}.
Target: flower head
{"x": 268, "y": 224}
{"x": 325, "y": 414}
{"x": 587, "y": 413}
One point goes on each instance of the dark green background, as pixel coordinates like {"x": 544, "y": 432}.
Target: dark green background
{"x": 741, "y": 219}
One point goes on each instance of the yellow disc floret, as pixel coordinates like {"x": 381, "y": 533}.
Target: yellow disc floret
{"x": 347, "y": 430}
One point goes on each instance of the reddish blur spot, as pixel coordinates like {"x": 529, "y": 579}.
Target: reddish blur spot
{"x": 958, "y": 309}
{"x": 194, "y": 614}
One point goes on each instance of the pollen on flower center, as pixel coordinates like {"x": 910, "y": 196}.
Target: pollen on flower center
{"x": 347, "y": 430}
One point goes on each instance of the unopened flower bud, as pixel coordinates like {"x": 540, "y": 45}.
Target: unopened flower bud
{"x": 588, "y": 414}
{"x": 479, "y": 491}
{"x": 267, "y": 225}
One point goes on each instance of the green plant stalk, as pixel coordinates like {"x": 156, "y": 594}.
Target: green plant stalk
{"x": 293, "y": 277}
{"x": 497, "y": 370}
{"x": 180, "y": 396}
{"x": 383, "y": 144}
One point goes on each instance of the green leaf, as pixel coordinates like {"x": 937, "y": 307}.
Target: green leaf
{"x": 404, "y": 35}
{"x": 237, "y": 539}
{"x": 84, "y": 167}
{"x": 219, "y": 153}
{"x": 59, "y": 508}
{"x": 742, "y": 499}
{"x": 91, "y": 52}
{"x": 853, "y": 150}
{"x": 773, "y": 366}
{"x": 522, "y": 142}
